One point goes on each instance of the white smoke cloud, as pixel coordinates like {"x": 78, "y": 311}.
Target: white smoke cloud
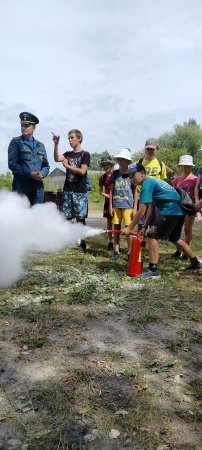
{"x": 41, "y": 228}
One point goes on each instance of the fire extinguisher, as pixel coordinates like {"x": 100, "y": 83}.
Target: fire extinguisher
{"x": 135, "y": 263}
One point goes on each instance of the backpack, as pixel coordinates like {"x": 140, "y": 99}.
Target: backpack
{"x": 159, "y": 161}
{"x": 88, "y": 182}
{"x": 186, "y": 202}
{"x": 88, "y": 179}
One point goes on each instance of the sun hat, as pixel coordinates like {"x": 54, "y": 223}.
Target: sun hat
{"x": 106, "y": 159}
{"x": 186, "y": 160}
{"x": 151, "y": 143}
{"x": 124, "y": 153}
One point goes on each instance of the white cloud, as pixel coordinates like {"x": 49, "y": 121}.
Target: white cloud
{"x": 118, "y": 70}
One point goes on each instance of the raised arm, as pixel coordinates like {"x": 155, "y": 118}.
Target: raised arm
{"x": 57, "y": 157}
{"x": 196, "y": 190}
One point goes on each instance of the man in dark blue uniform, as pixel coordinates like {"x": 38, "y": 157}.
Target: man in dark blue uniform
{"x": 27, "y": 159}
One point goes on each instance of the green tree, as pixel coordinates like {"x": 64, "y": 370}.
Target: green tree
{"x": 186, "y": 137}
{"x": 6, "y": 181}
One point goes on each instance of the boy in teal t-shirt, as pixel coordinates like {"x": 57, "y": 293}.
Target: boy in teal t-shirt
{"x": 168, "y": 225}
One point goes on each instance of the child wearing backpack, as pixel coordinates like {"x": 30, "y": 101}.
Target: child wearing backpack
{"x": 76, "y": 162}
{"x": 106, "y": 164}
{"x": 187, "y": 181}
{"x": 121, "y": 200}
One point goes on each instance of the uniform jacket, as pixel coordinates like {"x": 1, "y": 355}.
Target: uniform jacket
{"x": 22, "y": 160}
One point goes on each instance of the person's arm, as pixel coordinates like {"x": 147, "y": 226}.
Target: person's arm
{"x": 148, "y": 217}
{"x": 14, "y": 162}
{"x": 196, "y": 189}
{"x": 135, "y": 202}
{"x": 57, "y": 156}
{"x": 101, "y": 192}
{"x": 110, "y": 200}
{"x": 79, "y": 171}
{"x": 169, "y": 171}
{"x": 140, "y": 213}
{"x": 45, "y": 164}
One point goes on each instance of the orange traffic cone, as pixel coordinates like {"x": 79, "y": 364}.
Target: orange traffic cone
{"x": 135, "y": 263}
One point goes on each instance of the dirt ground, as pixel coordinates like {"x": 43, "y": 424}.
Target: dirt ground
{"x": 116, "y": 365}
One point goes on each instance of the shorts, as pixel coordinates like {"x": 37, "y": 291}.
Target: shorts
{"x": 106, "y": 210}
{"x": 75, "y": 205}
{"x": 122, "y": 215}
{"x": 167, "y": 228}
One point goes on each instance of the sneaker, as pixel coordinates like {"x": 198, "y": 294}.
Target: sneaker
{"x": 197, "y": 266}
{"x": 176, "y": 255}
{"x": 110, "y": 245}
{"x": 82, "y": 247}
{"x": 183, "y": 257}
{"x": 115, "y": 256}
{"x": 149, "y": 274}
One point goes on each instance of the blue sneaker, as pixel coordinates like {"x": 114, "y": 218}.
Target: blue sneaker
{"x": 149, "y": 274}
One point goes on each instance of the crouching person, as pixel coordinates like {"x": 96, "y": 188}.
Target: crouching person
{"x": 168, "y": 225}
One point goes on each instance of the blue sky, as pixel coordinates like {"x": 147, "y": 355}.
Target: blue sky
{"x": 119, "y": 70}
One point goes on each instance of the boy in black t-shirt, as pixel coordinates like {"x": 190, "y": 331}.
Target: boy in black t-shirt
{"x": 76, "y": 162}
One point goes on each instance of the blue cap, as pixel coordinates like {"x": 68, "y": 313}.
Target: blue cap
{"x": 132, "y": 168}
{"x": 136, "y": 167}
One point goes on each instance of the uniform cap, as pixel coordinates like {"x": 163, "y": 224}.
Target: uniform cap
{"x": 186, "y": 160}
{"x": 26, "y": 117}
{"x": 151, "y": 143}
{"x": 124, "y": 153}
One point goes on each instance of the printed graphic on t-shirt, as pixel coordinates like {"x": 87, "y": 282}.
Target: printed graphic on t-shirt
{"x": 75, "y": 182}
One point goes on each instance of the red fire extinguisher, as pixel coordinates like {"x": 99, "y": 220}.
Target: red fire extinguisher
{"x": 135, "y": 263}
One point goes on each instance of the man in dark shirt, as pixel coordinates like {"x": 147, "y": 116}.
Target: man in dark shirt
{"x": 27, "y": 159}
{"x": 76, "y": 162}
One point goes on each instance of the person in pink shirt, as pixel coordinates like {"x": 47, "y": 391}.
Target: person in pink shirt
{"x": 186, "y": 181}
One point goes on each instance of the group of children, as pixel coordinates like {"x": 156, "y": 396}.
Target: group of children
{"x": 137, "y": 195}
{"x": 134, "y": 195}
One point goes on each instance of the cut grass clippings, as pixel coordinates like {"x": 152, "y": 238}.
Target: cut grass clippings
{"x": 93, "y": 359}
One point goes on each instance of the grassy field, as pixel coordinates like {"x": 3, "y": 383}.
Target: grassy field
{"x": 92, "y": 359}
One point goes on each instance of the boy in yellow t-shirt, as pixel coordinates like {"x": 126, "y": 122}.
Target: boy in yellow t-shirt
{"x": 154, "y": 168}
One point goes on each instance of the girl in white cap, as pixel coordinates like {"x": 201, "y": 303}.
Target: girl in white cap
{"x": 186, "y": 181}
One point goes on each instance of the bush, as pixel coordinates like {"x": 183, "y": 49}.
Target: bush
{"x": 6, "y": 181}
{"x": 94, "y": 195}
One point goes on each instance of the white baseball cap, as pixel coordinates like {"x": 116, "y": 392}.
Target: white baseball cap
{"x": 124, "y": 153}
{"x": 186, "y": 160}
